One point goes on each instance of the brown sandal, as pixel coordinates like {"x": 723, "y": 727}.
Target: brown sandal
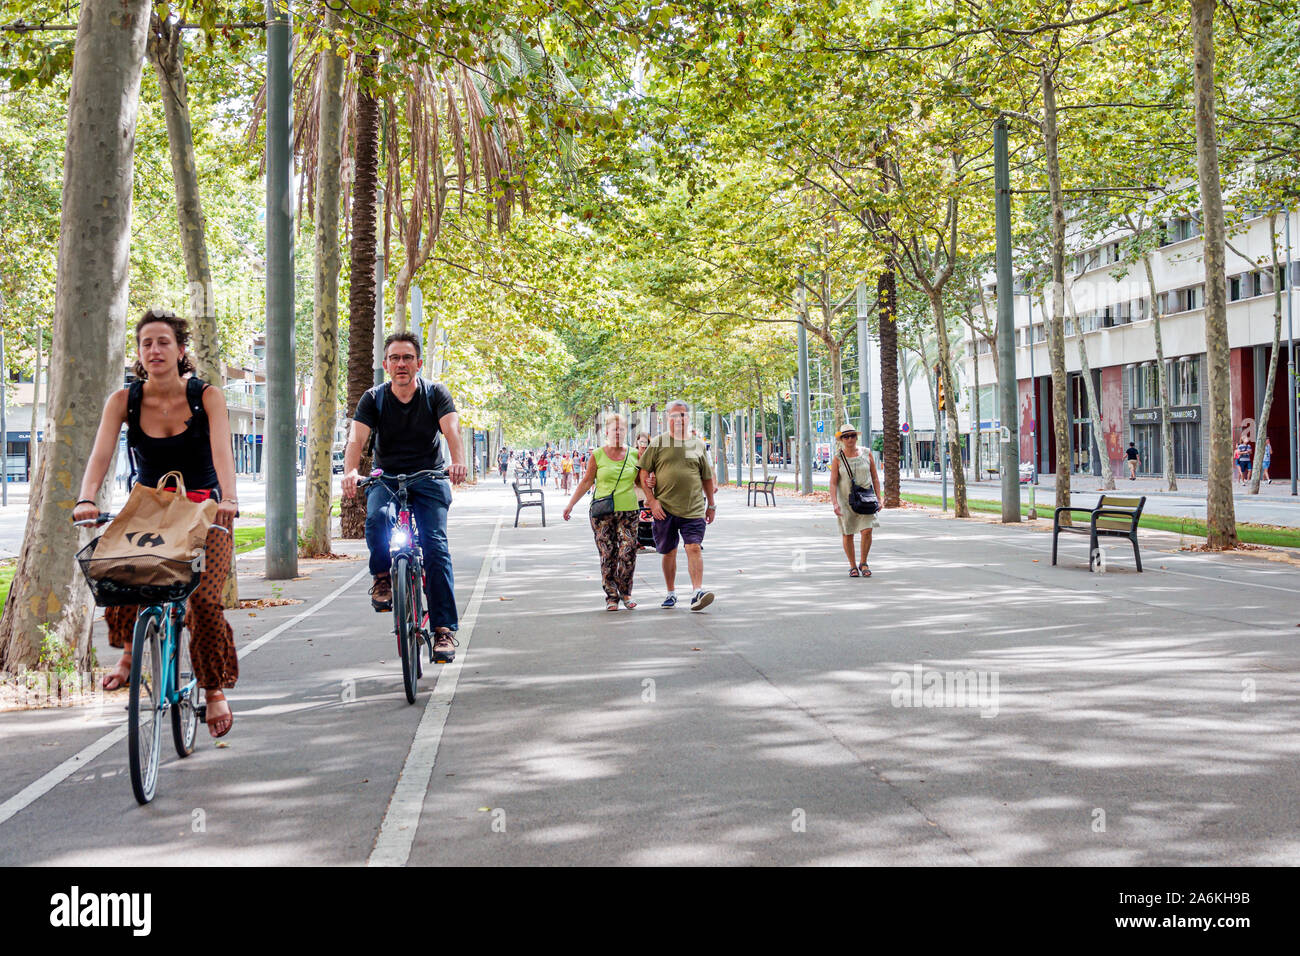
{"x": 225, "y": 721}
{"x": 865, "y": 571}
{"x": 116, "y": 675}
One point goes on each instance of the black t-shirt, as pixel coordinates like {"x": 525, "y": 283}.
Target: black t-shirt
{"x": 406, "y": 435}
{"x": 1131, "y": 453}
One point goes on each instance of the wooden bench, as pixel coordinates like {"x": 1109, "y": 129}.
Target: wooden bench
{"x": 1114, "y": 517}
{"x": 526, "y": 497}
{"x": 761, "y": 486}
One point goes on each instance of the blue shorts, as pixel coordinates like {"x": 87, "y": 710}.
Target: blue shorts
{"x": 667, "y": 531}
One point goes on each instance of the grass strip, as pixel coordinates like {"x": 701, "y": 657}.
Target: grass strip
{"x": 249, "y": 539}
{"x": 1192, "y": 527}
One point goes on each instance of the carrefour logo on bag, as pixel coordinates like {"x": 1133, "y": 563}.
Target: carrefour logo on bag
{"x": 145, "y": 539}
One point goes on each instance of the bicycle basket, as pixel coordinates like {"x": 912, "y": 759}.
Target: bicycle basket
{"x": 115, "y": 582}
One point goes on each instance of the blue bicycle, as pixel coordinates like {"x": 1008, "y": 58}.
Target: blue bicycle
{"x": 162, "y": 675}
{"x": 410, "y": 618}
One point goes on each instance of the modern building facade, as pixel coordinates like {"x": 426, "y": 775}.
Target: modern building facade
{"x": 1112, "y": 318}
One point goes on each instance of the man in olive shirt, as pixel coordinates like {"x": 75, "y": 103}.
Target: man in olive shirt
{"x": 680, "y": 481}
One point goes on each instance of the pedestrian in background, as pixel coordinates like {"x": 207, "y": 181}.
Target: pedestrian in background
{"x": 1243, "y": 460}
{"x": 612, "y": 471}
{"x": 1131, "y": 456}
{"x": 849, "y": 467}
{"x": 1268, "y": 457}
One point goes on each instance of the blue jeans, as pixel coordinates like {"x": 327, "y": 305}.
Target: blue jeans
{"x": 428, "y": 500}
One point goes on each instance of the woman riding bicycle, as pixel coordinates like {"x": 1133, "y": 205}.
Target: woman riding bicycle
{"x": 175, "y": 423}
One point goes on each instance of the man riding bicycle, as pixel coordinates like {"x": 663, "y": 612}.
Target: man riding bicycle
{"x": 406, "y": 415}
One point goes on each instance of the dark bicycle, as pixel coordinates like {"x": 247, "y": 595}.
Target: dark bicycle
{"x": 410, "y": 617}
{"x": 162, "y": 675}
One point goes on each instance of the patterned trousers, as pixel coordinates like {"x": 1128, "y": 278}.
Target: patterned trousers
{"x": 212, "y": 642}
{"x": 616, "y": 543}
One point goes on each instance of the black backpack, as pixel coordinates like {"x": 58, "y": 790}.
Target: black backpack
{"x": 382, "y": 390}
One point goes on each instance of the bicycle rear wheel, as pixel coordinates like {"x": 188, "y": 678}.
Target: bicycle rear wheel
{"x": 406, "y": 624}
{"x": 185, "y": 714}
{"x": 144, "y": 729}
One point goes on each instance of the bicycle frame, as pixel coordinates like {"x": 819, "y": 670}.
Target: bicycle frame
{"x": 172, "y": 616}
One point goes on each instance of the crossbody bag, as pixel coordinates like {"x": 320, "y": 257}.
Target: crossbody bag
{"x": 862, "y": 500}
{"x": 605, "y": 505}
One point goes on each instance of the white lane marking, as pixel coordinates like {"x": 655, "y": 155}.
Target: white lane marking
{"x": 275, "y": 631}
{"x": 43, "y": 785}
{"x": 397, "y": 832}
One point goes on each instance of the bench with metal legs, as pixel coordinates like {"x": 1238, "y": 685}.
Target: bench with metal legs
{"x": 527, "y": 497}
{"x": 1114, "y": 517}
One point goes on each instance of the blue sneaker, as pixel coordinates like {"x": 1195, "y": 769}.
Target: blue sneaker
{"x": 701, "y": 600}
{"x": 670, "y": 601}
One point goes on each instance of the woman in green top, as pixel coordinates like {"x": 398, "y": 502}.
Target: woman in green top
{"x": 612, "y": 469}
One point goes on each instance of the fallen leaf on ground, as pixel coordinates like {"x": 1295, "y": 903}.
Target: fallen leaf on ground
{"x": 267, "y": 602}
{"x": 222, "y": 745}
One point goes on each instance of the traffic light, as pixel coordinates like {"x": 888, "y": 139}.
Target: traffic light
{"x": 938, "y": 379}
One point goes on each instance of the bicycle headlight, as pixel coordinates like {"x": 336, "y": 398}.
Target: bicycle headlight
{"x": 398, "y": 541}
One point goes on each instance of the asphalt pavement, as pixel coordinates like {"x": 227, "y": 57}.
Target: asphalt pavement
{"x": 969, "y": 704}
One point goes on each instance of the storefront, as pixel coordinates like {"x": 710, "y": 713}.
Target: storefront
{"x": 1187, "y": 416}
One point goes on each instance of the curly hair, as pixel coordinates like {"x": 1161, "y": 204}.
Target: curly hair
{"x": 180, "y": 328}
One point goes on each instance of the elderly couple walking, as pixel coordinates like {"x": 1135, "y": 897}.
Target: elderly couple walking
{"x": 673, "y": 473}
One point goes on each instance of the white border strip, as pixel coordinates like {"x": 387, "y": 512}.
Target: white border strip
{"x": 43, "y": 785}
{"x": 397, "y": 832}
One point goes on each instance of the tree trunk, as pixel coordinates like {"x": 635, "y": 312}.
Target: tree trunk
{"x": 767, "y": 439}
{"x": 1094, "y": 413}
{"x": 907, "y": 391}
{"x": 1056, "y": 347}
{"x": 975, "y": 405}
{"x": 720, "y": 448}
{"x": 166, "y": 54}
{"x": 1220, "y": 516}
{"x": 90, "y": 303}
{"x": 1257, "y": 466}
{"x": 36, "y": 404}
{"x": 950, "y": 408}
{"x": 325, "y": 309}
{"x": 361, "y": 294}
{"x": 887, "y": 323}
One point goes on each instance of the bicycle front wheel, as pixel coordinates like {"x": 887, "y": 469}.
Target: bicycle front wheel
{"x": 406, "y": 624}
{"x": 185, "y": 714}
{"x": 144, "y": 729}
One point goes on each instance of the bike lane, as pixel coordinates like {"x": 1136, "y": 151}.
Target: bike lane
{"x": 322, "y": 728}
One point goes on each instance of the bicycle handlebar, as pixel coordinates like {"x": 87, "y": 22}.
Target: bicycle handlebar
{"x": 102, "y": 518}
{"x": 377, "y": 474}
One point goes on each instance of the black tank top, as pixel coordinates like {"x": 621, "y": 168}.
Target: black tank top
{"x": 190, "y": 452}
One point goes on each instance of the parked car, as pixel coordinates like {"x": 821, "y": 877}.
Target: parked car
{"x": 336, "y": 460}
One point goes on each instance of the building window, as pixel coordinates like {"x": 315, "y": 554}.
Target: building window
{"x": 1185, "y": 381}
{"x": 1234, "y": 288}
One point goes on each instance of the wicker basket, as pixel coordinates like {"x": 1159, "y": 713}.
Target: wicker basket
{"x": 111, "y": 580}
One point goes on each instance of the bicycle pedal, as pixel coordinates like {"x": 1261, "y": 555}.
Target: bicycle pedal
{"x": 202, "y": 711}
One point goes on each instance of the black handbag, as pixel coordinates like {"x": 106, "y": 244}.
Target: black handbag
{"x": 605, "y": 506}
{"x": 862, "y": 500}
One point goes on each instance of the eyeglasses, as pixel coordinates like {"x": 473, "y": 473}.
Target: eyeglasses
{"x": 403, "y": 359}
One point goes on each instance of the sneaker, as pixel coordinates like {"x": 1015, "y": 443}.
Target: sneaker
{"x": 381, "y": 593}
{"x": 444, "y": 647}
{"x": 670, "y": 601}
{"x": 701, "y": 600}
